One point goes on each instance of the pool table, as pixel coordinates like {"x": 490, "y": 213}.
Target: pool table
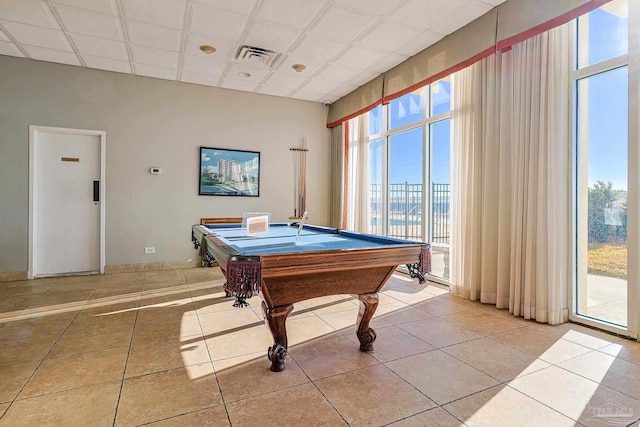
{"x": 321, "y": 261}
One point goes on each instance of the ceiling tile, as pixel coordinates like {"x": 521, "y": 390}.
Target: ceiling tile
{"x": 363, "y": 78}
{"x": 157, "y": 72}
{"x": 150, "y": 35}
{"x": 153, "y": 56}
{"x": 217, "y": 23}
{"x": 236, "y": 6}
{"x": 100, "y": 47}
{"x": 418, "y": 44}
{"x": 317, "y": 49}
{"x": 285, "y": 79}
{"x": 461, "y": 17}
{"x": 371, "y": 7}
{"x": 256, "y": 75}
{"x": 51, "y": 55}
{"x": 319, "y": 86}
{"x": 247, "y": 86}
{"x": 8, "y": 48}
{"x": 338, "y": 74}
{"x": 167, "y": 13}
{"x": 89, "y": 23}
{"x": 388, "y": 37}
{"x": 106, "y": 64}
{"x": 311, "y": 96}
{"x": 343, "y": 89}
{"x": 224, "y": 49}
{"x": 295, "y": 14}
{"x": 268, "y": 89}
{"x": 359, "y": 58}
{"x": 100, "y": 6}
{"x": 207, "y": 66}
{"x": 37, "y": 36}
{"x": 33, "y": 12}
{"x": 199, "y": 79}
{"x": 389, "y": 61}
{"x": 340, "y": 25}
{"x": 267, "y": 36}
{"x": 424, "y": 14}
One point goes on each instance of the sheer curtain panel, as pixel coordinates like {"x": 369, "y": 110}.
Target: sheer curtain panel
{"x": 359, "y": 217}
{"x": 512, "y": 145}
{"x": 337, "y": 176}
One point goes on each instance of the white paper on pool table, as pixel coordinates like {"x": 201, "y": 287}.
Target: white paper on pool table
{"x": 257, "y": 225}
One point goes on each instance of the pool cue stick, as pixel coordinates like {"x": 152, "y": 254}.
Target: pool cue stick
{"x": 304, "y": 218}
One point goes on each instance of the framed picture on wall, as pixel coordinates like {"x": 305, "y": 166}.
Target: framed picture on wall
{"x": 225, "y": 172}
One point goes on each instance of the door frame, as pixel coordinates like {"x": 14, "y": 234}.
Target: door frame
{"x": 34, "y": 141}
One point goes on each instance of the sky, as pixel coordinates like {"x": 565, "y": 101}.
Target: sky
{"x": 607, "y": 101}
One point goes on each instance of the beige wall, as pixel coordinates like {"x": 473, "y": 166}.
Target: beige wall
{"x": 152, "y": 122}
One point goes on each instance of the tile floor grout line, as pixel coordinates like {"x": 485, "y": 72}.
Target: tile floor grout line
{"x": 325, "y": 397}
{"x": 146, "y": 423}
{"x": 424, "y": 412}
{"x": 543, "y": 404}
{"x": 126, "y": 362}
{"x": 213, "y": 368}
{"x": 599, "y": 350}
{"x": 589, "y": 379}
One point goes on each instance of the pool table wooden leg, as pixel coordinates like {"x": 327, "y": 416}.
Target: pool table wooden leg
{"x": 276, "y": 319}
{"x": 366, "y": 335}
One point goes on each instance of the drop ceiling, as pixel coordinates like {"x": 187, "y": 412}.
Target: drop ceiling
{"x": 341, "y": 43}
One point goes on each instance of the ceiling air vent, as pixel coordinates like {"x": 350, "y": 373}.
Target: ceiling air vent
{"x": 258, "y": 55}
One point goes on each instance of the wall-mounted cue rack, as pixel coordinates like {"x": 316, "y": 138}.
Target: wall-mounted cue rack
{"x": 299, "y": 179}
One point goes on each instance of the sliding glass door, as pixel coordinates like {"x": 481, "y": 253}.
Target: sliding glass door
{"x": 603, "y": 284}
{"x": 602, "y": 137}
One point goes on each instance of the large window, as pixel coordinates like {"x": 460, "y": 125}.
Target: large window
{"x": 408, "y": 170}
{"x": 601, "y": 119}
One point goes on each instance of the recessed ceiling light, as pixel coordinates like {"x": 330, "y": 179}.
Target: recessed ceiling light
{"x": 298, "y": 67}
{"x": 207, "y": 48}
{"x": 244, "y": 74}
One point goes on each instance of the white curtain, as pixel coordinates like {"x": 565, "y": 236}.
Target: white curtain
{"x": 359, "y": 216}
{"x": 510, "y": 197}
{"x": 337, "y": 176}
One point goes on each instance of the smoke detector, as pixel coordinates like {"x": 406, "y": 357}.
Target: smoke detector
{"x": 259, "y": 56}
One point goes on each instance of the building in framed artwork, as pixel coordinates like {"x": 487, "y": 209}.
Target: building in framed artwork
{"x": 225, "y": 172}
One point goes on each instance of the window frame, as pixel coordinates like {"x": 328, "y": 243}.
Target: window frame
{"x": 425, "y": 122}
{"x": 578, "y": 201}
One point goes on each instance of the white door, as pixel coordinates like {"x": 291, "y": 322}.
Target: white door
{"x": 66, "y": 208}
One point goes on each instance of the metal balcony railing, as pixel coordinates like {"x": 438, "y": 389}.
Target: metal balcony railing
{"x": 405, "y": 211}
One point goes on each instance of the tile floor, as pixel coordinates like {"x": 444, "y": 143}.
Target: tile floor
{"x": 166, "y": 348}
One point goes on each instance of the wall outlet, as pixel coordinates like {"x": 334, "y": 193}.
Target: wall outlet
{"x": 150, "y": 250}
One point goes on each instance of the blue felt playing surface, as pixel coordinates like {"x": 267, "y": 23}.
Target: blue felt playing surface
{"x": 283, "y": 240}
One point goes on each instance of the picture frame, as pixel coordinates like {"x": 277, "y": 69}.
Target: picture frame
{"x": 227, "y": 172}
